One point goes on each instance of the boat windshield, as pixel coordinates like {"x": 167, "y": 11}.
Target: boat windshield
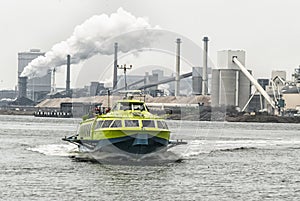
{"x": 131, "y": 106}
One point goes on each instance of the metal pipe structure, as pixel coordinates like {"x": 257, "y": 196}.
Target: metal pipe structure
{"x": 244, "y": 108}
{"x": 177, "y": 79}
{"x": 237, "y": 81}
{"x": 146, "y": 86}
{"x": 254, "y": 82}
{"x": 204, "y": 72}
{"x": 274, "y": 87}
{"x": 129, "y": 85}
{"x": 68, "y": 88}
{"x": 172, "y": 79}
{"x": 115, "y": 78}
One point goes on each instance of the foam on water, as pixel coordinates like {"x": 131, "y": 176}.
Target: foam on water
{"x": 72, "y": 151}
{"x": 193, "y": 149}
{"x": 198, "y": 147}
{"x": 55, "y": 149}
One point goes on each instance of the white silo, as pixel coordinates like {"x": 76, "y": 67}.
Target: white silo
{"x": 197, "y": 80}
{"x": 230, "y": 87}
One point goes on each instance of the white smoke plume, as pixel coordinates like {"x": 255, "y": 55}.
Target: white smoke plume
{"x": 95, "y": 36}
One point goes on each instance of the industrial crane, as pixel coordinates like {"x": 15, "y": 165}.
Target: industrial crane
{"x": 274, "y": 104}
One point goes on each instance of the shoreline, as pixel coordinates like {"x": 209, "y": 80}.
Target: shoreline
{"x": 260, "y": 118}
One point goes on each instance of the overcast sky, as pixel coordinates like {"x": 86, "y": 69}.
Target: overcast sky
{"x": 268, "y": 30}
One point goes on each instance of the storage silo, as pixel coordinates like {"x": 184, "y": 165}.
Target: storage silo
{"x": 230, "y": 87}
{"x": 244, "y": 89}
{"x": 197, "y": 80}
{"x": 227, "y": 78}
{"x": 215, "y": 88}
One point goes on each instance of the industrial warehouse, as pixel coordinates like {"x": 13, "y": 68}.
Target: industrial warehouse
{"x": 202, "y": 94}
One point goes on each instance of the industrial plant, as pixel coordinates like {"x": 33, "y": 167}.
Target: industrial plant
{"x": 197, "y": 93}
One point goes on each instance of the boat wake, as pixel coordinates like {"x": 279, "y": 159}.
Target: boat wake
{"x": 197, "y": 148}
{"x": 55, "y": 149}
{"x": 237, "y": 149}
{"x": 193, "y": 149}
{"x": 103, "y": 157}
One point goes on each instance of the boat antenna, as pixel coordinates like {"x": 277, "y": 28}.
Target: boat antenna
{"x": 124, "y": 67}
{"x": 108, "y": 99}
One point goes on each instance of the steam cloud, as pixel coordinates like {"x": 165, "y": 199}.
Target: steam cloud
{"x": 93, "y": 37}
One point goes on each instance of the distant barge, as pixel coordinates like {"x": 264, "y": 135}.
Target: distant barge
{"x": 53, "y": 114}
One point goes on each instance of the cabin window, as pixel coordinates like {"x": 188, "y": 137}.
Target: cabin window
{"x": 88, "y": 131}
{"x": 165, "y": 125}
{"x": 116, "y": 124}
{"x": 138, "y": 106}
{"x": 106, "y": 123}
{"x": 148, "y": 123}
{"x": 162, "y": 125}
{"x": 85, "y": 130}
{"x": 98, "y": 124}
{"x": 115, "y": 107}
{"x": 131, "y": 123}
{"x": 125, "y": 106}
{"x": 132, "y": 106}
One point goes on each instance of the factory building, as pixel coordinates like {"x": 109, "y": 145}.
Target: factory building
{"x": 277, "y": 82}
{"x": 97, "y": 88}
{"x": 278, "y": 74}
{"x": 292, "y": 100}
{"x": 8, "y": 94}
{"x": 141, "y": 80}
{"x": 230, "y": 87}
{"x": 38, "y": 87}
{"x": 291, "y": 92}
{"x": 197, "y": 80}
{"x": 263, "y": 82}
{"x": 281, "y": 91}
{"x": 136, "y": 81}
{"x": 156, "y": 76}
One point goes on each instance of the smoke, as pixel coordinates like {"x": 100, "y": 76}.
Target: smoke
{"x": 95, "y": 36}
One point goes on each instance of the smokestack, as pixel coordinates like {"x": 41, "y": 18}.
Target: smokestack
{"x": 68, "y": 89}
{"x": 204, "y": 73}
{"x": 22, "y": 82}
{"x": 53, "y": 90}
{"x": 177, "y": 80}
{"x": 115, "y": 79}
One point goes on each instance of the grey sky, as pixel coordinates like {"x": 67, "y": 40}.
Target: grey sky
{"x": 268, "y": 30}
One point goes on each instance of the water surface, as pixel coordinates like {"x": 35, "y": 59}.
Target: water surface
{"x": 222, "y": 161}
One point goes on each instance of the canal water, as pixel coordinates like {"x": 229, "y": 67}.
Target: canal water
{"x": 222, "y": 161}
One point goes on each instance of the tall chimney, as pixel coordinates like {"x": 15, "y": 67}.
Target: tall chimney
{"x": 177, "y": 79}
{"x": 115, "y": 78}
{"x": 68, "y": 89}
{"x": 53, "y": 87}
{"x": 204, "y": 73}
{"x": 22, "y": 82}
